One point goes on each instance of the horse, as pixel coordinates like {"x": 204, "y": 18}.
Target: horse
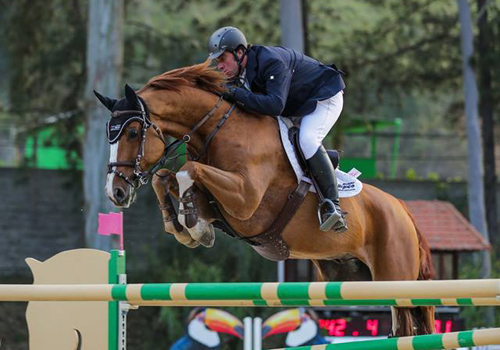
{"x": 237, "y": 162}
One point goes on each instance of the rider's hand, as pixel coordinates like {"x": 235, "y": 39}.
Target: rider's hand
{"x": 229, "y": 95}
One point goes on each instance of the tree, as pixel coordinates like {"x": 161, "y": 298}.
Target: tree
{"x": 486, "y": 60}
{"x": 104, "y": 62}
{"x": 45, "y": 45}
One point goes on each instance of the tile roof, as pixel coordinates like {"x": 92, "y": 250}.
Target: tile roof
{"x": 444, "y": 227}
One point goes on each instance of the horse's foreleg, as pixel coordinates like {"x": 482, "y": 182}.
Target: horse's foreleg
{"x": 238, "y": 193}
{"x": 165, "y": 183}
{"x": 195, "y": 214}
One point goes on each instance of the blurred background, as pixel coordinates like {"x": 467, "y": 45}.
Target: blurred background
{"x": 404, "y": 126}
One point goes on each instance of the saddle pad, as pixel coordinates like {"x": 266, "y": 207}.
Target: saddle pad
{"x": 348, "y": 184}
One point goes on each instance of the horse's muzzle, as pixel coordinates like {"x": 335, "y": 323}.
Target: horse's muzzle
{"x": 123, "y": 198}
{"x": 120, "y": 196}
{"x": 120, "y": 193}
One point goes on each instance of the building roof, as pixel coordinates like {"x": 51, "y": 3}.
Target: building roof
{"x": 445, "y": 228}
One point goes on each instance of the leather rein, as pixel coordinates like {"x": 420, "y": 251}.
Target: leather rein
{"x": 140, "y": 177}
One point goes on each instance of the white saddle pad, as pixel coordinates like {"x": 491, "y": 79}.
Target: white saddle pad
{"x": 347, "y": 183}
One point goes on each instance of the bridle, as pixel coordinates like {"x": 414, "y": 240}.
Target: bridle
{"x": 140, "y": 176}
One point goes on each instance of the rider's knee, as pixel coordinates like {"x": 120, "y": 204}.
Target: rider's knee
{"x": 309, "y": 144}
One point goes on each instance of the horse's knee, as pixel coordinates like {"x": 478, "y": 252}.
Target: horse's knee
{"x": 187, "y": 174}
{"x": 185, "y": 181}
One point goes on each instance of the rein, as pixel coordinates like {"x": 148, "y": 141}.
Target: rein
{"x": 141, "y": 177}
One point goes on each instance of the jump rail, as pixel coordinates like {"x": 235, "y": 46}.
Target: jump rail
{"x": 453, "y": 340}
{"x": 102, "y": 277}
{"x": 319, "y": 303}
{"x": 412, "y": 291}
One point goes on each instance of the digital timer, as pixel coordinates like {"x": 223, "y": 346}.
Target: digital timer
{"x": 373, "y": 326}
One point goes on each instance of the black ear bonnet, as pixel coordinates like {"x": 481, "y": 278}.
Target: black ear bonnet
{"x": 121, "y": 118}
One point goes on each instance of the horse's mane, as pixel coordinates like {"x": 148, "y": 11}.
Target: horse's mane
{"x": 199, "y": 75}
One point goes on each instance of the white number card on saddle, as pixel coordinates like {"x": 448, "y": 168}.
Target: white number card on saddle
{"x": 347, "y": 183}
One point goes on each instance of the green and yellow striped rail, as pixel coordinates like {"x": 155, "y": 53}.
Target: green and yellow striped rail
{"x": 453, "y": 340}
{"x": 397, "y": 293}
{"x": 320, "y": 303}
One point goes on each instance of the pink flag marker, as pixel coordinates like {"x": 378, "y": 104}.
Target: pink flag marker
{"x": 111, "y": 224}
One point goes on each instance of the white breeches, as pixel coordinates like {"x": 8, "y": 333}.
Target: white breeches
{"x": 315, "y": 126}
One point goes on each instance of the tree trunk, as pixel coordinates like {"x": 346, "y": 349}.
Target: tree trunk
{"x": 104, "y": 70}
{"x": 292, "y": 33}
{"x": 488, "y": 127}
{"x": 477, "y": 215}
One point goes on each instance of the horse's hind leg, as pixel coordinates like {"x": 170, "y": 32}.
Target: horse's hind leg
{"x": 405, "y": 258}
{"x": 351, "y": 269}
{"x": 408, "y": 321}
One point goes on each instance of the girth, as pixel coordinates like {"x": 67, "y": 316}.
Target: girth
{"x": 270, "y": 243}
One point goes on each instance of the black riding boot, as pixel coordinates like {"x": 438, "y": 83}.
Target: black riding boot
{"x": 329, "y": 212}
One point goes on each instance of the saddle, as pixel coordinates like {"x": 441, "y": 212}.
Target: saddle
{"x": 293, "y": 136}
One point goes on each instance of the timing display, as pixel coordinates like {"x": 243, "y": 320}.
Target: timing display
{"x": 374, "y": 326}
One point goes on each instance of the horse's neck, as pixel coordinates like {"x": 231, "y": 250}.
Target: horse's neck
{"x": 183, "y": 112}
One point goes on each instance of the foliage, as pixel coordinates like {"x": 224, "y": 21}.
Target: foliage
{"x": 475, "y": 317}
{"x": 411, "y": 174}
{"x": 157, "y": 41}
{"x": 402, "y": 58}
{"x": 46, "y": 43}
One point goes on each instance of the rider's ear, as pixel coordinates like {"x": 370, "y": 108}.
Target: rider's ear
{"x": 131, "y": 95}
{"x": 106, "y": 101}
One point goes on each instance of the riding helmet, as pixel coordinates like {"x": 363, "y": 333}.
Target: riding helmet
{"x": 225, "y": 39}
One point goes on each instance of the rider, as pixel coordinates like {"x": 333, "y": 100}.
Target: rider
{"x": 279, "y": 81}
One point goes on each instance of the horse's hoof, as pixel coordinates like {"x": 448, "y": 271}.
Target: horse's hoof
{"x": 193, "y": 244}
{"x": 207, "y": 241}
{"x": 185, "y": 239}
{"x": 204, "y": 233}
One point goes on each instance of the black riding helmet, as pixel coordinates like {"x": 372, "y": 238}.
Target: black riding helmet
{"x": 225, "y": 39}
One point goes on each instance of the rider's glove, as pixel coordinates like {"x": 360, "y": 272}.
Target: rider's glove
{"x": 230, "y": 94}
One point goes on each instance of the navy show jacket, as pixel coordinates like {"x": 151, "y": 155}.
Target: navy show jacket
{"x": 286, "y": 82}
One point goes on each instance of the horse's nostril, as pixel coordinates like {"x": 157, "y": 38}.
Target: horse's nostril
{"x": 119, "y": 195}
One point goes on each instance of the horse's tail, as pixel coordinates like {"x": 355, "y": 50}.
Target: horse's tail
{"x": 426, "y": 270}
{"x": 423, "y": 315}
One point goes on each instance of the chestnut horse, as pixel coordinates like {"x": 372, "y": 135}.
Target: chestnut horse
{"x": 246, "y": 171}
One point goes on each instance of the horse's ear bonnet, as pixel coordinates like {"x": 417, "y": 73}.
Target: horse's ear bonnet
{"x": 133, "y": 108}
{"x": 109, "y": 103}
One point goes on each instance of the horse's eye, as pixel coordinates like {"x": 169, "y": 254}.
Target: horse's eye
{"x": 132, "y": 134}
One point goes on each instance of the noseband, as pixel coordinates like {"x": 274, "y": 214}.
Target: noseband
{"x": 140, "y": 177}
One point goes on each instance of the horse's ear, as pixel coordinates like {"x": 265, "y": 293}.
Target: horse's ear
{"x": 106, "y": 101}
{"x": 131, "y": 95}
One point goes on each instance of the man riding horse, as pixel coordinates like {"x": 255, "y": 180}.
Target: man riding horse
{"x": 278, "y": 81}
{"x": 247, "y": 182}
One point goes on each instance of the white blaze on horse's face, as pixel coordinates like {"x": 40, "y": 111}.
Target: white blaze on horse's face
{"x": 113, "y": 155}
{"x": 121, "y": 197}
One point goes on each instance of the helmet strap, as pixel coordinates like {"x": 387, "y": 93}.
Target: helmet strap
{"x": 239, "y": 60}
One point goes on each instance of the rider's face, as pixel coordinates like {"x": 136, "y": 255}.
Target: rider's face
{"x": 228, "y": 65}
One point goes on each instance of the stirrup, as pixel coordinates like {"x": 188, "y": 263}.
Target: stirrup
{"x": 334, "y": 220}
